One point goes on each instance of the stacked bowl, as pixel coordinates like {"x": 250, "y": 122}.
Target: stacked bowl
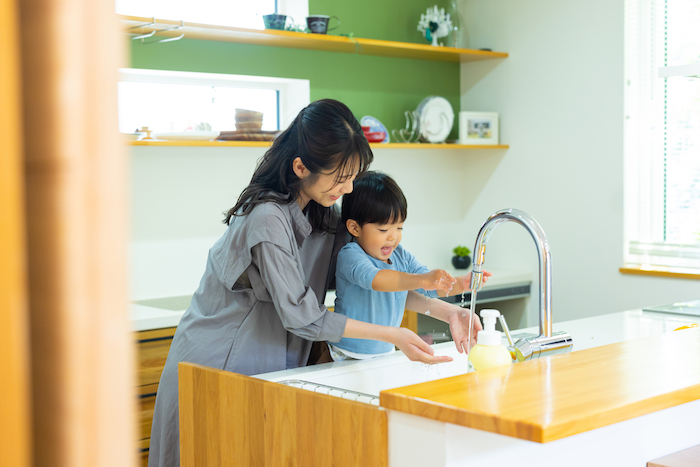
{"x": 248, "y": 121}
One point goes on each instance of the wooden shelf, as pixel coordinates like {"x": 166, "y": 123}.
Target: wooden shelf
{"x": 298, "y": 40}
{"x": 265, "y": 144}
{"x": 674, "y": 273}
{"x": 240, "y": 144}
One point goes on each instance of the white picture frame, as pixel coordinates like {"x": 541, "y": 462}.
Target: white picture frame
{"x": 478, "y": 128}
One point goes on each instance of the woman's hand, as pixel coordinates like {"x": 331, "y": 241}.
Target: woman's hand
{"x": 406, "y": 340}
{"x": 415, "y": 348}
{"x": 438, "y": 279}
{"x": 459, "y": 328}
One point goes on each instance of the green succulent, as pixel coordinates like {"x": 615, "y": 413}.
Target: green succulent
{"x": 461, "y": 251}
{"x": 297, "y": 28}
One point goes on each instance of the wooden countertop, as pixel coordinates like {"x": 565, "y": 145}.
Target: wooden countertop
{"x": 555, "y": 397}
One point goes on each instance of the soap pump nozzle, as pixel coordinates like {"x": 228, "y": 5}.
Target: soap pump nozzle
{"x": 489, "y": 336}
{"x": 489, "y": 317}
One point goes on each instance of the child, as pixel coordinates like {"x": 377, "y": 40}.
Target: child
{"x": 376, "y": 276}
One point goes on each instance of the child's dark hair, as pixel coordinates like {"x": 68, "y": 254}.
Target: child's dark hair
{"x": 326, "y": 136}
{"x": 375, "y": 199}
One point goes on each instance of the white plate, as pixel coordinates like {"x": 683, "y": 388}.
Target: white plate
{"x": 436, "y": 118}
{"x": 187, "y": 136}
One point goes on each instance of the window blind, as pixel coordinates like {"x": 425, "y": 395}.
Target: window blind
{"x": 662, "y": 135}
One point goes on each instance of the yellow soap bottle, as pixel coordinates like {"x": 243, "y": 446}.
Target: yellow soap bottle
{"x": 488, "y": 351}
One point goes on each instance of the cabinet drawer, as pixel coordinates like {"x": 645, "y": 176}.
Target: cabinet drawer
{"x": 142, "y": 448}
{"x": 152, "y": 350}
{"x": 147, "y": 400}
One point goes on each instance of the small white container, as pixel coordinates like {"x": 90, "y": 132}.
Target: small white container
{"x": 488, "y": 351}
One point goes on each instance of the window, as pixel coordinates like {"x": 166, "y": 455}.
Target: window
{"x": 662, "y": 135}
{"x": 236, "y": 13}
{"x": 171, "y": 101}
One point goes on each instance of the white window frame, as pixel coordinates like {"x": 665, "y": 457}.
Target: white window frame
{"x": 643, "y": 160}
{"x": 298, "y": 10}
{"x": 294, "y": 94}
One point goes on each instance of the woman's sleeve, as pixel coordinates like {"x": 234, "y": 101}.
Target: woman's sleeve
{"x": 296, "y": 304}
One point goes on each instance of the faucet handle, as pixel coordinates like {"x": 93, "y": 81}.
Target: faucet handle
{"x": 502, "y": 320}
{"x": 542, "y": 346}
{"x": 477, "y": 279}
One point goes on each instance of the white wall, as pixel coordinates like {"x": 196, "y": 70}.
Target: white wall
{"x": 179, "y": 194}
{"x": 559, "y": 96}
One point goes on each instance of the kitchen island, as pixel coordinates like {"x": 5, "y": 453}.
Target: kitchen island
{"x": 155, "y": 320}
{"x": 628, "y": 393}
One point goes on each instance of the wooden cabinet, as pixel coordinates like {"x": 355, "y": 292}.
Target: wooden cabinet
{"x": 151, "y": 349}
{"x": 275, "y": 424}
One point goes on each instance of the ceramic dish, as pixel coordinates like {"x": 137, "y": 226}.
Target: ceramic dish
{"x": 187, "y": 136}
{"x": 131, "y": 136}
{"x": 375, "y": 126}
{"x": 375, "y": 137}
{"x": 436, "y": 118}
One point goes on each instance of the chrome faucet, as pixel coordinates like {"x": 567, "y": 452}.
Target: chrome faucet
{"x": 547, "y": 343}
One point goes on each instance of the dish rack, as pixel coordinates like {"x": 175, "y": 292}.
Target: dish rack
{"x": 332, "y": 391}
{"x": 152, "y": 28}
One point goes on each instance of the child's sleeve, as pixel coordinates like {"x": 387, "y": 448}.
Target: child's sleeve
{"x": 355, "y": 267}
{"x": 413, "y": 266}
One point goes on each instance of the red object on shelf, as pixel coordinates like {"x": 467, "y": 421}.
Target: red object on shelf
{"x": 375, "y": 137}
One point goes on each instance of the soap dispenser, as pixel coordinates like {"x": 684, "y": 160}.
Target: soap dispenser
{"x": 488, "y": 351}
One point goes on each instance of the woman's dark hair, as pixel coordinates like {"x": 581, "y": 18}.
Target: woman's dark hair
{"x": 375, "y": 199}
{"x": 327, "y": 137}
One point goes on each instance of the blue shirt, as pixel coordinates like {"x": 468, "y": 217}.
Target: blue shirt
{"x": 355, "y": 298}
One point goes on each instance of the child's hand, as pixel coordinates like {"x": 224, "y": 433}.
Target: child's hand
{"x": 459, "y": 328}
{"x": 415, "y": 348}
{"x": 437, "y": 279}
{"x": 467, "y": 280}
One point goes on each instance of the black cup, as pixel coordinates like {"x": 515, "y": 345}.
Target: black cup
{"x": 274, "y": 21}
{"x": 318, "y": 24}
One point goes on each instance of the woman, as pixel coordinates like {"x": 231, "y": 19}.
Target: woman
{"x": 259, "y": 304}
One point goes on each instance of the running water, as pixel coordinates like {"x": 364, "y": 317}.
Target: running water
{"x": 471, "y": 320}
{"x": 464, "y": 302}
{"x": 431, "y": 371}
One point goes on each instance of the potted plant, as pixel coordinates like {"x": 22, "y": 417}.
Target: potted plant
{"x": 461, "y": 259}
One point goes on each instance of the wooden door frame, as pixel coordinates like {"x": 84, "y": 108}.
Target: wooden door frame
{"x": 75, "y": 177}
{"x": 14, "y": 316}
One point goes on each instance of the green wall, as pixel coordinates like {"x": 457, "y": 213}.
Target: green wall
{"x": 390, "y": 20}
{"x": 377, "y": 86}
